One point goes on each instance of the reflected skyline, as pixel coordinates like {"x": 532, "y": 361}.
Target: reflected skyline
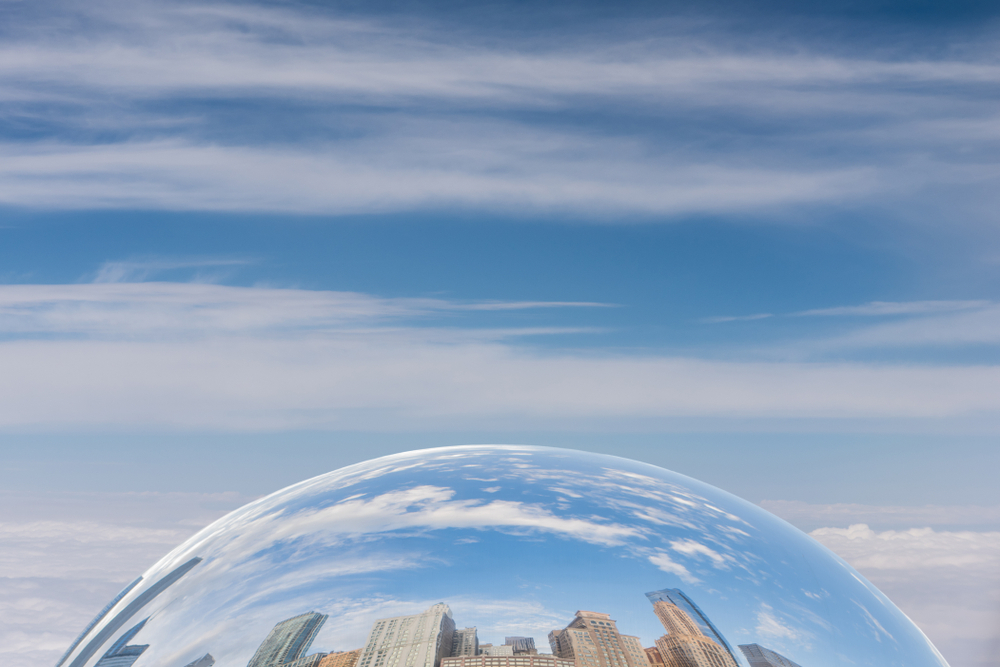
{"x": 527, "y": 544}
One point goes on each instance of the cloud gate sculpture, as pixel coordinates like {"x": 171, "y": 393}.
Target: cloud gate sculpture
{"x": 500, "y": 556}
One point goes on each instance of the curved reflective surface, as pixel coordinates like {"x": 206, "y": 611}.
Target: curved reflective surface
{"x": 501, "y": 557}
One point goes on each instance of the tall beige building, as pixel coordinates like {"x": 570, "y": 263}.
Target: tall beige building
{"x": 465, "y": 642}
{"x": 341, "y": 659}
{"x": 420, "y": 640}
{"x": 685, "y": 645}
{"x": 592, "y": 640}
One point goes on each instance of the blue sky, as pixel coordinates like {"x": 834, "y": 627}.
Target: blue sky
{"x": 756, "y": 244}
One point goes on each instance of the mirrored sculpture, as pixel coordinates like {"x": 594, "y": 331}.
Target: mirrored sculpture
{"x": 500, "y": 556}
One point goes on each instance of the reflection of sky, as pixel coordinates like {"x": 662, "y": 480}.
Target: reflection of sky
{"x": 515, "y": 540}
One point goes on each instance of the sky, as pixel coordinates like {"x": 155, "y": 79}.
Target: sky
{"x": 243, "y": 244}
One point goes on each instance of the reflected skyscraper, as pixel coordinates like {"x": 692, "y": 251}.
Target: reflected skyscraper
{"x": 676, "y": 597}
{"x": 341, "y": 659}
{"x": 686, "y": 643}
{"x": 421, "y": 640}
{"x": 121, "y": 654}
{"x": 97, "y": 619}
{"x": 465, "y": 642}
{"x": 204, "y": 661}
{"x": 130, "y": 610}
{"x": 758, "y": 656}
{"x": 522, "y": 645}
{"x": 288, "y": 640}
{"x": 592, "y": 640}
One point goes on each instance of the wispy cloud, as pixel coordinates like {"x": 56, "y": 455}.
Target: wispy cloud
{"x": 210, "y": 356}
{"x": 139, "y": 270}
{"x": 132, "y": 106}
{"x": 889, "y": 308}
{"x": 736, "y": 318}
{"x": 808, "y": 516}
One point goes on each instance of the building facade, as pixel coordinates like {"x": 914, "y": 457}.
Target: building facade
{"x": 289, "y": 640}
{"x": 499, "y": 650}
{"x": 465, "y": 642}
{"x": 678, "y": 598}
{"x": 121, "y": 654}
{"x": 685, "y": 645}
{"x": 421, "y": 640}
{"x": 521, "y": 645}
{"x": 525, "y": 660}
{"x": 758, "y": 656}
{"x": 313, "y": 660}
{"x": 592, "y": 640}
{"x": 204, "y": 661}
{"x": 341, "y": 659}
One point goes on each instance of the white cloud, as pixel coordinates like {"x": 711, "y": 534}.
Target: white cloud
{"x": 887, "y": 308}
{"x": 771, "y": 627}
{"x": 694, "y": 549}
{"x": 948, "y": 582}
{"x": 207, "y": 356}
{"x": 432, "y": 508}
{"x": 808, "y": 516}
{"x": 869, "y": 550}
{"x": 510, "y": 168}
{"x": 436, "y": 96}
{"x": 663, "y": 561}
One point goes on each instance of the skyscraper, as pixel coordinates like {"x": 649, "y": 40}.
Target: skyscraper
{"x": 465, "y": 642}
{"x": 676, "y": 597}
{"x": 686, "y": 643}
{"x": 420, "y": 640}
{"x": 97, "y": 619}
{"x": 204, "y": 661}
{"x": 592, "y": 640}
{"x": 522, "y": 645}
{"x": 341, "y": 659}
{"x": 130, "y": 610}
{"x": 758, "y": 656}
{"x": 289, "y": 640}
{"x": 121, "y": 654}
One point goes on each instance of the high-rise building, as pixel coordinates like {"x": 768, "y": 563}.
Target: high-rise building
{"x": 686, "y": 644}
{"x": 676, "y": 597}
{"x": 526, "y": 660}
{"x": 313, "y": 660}
{"x": 420, "y": 640}
{"x": 522, "y": 645}
{"x": 758, "y": 656}
{"x": 131, "y": 609}
{"x": 97, "y": 619}
{"x": 465, "y": 642}
{"x": 592, "y": 640}
{"x": 341, "y": 659}
{"x": 204, "y": 661}
{"x": 654, "y": 657}
{"x": 289, "y": 640}
{"x": 121, "y": 654}
{"x": 496, "y": 651}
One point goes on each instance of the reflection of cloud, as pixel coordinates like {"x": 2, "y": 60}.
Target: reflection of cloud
{"x": 430, "y": 507}
{"x": 694, "y": 549}
{"x": 664, "y": 562}
{"x": 771, "y": 627}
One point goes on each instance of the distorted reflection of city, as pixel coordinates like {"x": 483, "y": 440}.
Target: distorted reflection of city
{"x": 367, "y": 563}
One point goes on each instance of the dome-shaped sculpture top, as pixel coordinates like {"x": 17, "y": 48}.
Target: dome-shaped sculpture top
{"x": 500, "y": 556}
